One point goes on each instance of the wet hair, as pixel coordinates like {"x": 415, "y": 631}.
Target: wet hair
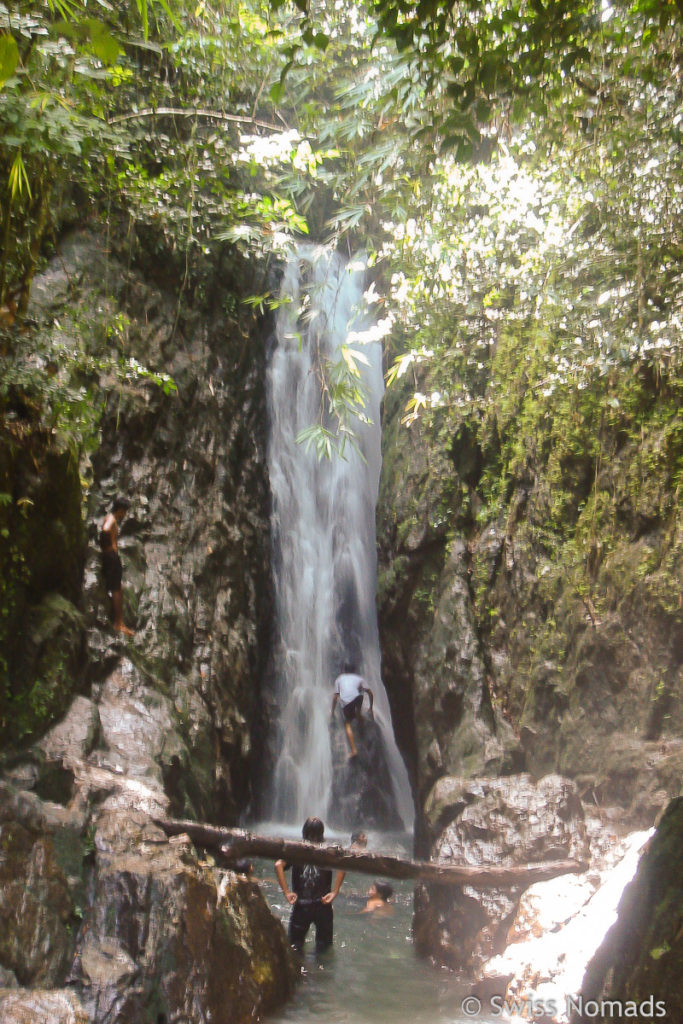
{"x": 313, "y": 830}
{"x": 120, "y": 503}
{"x": 384, "y": 890}
{"x": 349, "y": 667}
{"x": 244, "y": 866}
{"x": 358, "y": 837}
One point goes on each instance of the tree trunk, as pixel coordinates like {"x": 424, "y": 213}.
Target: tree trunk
{"x": 236, "y": 843}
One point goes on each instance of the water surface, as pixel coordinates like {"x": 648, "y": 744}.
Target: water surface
{"x": 372, "y": 974}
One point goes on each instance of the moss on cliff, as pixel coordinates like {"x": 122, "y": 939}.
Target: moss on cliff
{"x": 566, "y": 495}
{"x": 42, "y": 552}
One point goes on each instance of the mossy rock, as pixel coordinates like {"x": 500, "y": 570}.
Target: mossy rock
{"x": 47, "y": 675}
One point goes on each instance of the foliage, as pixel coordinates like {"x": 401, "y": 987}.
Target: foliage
{"x": 503, "y": 64}
{"x": 580, "y": 253}
{"x": 123, "y": 113}
{"x": 246, "y": 126}
{"x": 537, "y": 304}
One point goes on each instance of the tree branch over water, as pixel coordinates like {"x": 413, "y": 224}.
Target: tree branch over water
{"x": 236, "y": 843}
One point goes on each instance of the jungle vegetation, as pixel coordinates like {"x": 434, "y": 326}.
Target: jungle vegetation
{"x": 505, "y": 163}
{"x": 513, "y": 168}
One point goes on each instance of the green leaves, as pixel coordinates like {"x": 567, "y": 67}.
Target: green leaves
{"x": 92, "y": 35}
{"x": 131, "y": 370}
{"x": 318, "y": 39}
{"x": 326, "y": 443}
{"x": 144, "y": 15}
{"x": 18, "y": 178}
{"x": 9, "y": 57}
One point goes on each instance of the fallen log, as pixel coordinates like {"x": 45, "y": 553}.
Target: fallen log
{"x": 233, "y": 844}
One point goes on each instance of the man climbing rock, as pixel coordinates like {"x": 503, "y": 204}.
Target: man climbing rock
{"x": 112, "y": 570}
{"x": 311, "y": 895}
{"x": 349, "y": 688}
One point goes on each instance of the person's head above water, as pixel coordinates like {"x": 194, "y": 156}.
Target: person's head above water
{"x": 313, "y": 830}
{"x": 381, "y": 889}
{"x": 359, "y": 838}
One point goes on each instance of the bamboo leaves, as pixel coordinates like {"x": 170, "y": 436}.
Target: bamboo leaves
{"x": 18, "y": 178}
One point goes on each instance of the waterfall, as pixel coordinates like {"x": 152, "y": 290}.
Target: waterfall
{"x": 323, "y": 529}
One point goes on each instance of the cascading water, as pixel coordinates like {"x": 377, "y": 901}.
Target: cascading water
{"x": 323, "y": 527}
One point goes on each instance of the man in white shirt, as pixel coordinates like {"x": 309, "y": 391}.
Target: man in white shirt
{"x": 349, "y": 688}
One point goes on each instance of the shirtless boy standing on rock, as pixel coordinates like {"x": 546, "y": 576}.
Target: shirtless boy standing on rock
{"x": 112, "y": 570}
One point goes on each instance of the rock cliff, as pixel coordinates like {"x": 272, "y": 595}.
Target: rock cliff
{"x": 523, "y": 641}
{"x": 530, "y": 623}
{"x": 105, "y": 920}
{"x": 637, "y": 970}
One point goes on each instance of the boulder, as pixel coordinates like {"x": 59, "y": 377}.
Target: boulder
{"x": 505, "y": 821}
{"x": 361, "y": 788}
{"x": 39, "y": 887}
{"x": 170, "y": 938}
{"x": 35, "y": 1006}
{"x": 75, "y": 736}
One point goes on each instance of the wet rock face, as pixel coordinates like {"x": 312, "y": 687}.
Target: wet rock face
{"x": 458, "y": 731}
{"x": 497, "y": 619}
{"x": 92, "y": 894}
{"x": 504, "y": 821}
{"x": 168, "y": 938}
{"x": 195, "y": 542}
{"x": 41, "y": 1007}
{"x": 361, "y": 788}
{"x": 39, "y": 862}
{"x": 641, "y": 958}
{"x": 433, "y": 661}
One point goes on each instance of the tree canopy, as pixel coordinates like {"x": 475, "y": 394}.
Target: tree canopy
{"x": 510, "y": 167}
{"x": 512, "y": 171}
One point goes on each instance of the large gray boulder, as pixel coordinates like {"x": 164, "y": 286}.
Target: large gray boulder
{"x": 93, "y": 894}
{"x": 37, "y": 1006}
{"x": 506, "y": 821}
{"x": 169, "y": 938}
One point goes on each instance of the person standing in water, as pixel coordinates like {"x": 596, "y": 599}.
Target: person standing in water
{"x": 112, "y": 570}
{"x": 349, "y": 688}
{"x": 311, "y": 895}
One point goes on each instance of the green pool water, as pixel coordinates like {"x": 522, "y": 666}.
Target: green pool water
{"x": 372, "y": 973}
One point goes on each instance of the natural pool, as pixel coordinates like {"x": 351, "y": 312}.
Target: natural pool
{"x": 371, "y": 975}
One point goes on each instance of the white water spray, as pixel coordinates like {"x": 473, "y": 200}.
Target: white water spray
{"x": 323, "y": 526}
{"x": 566, "y": 920}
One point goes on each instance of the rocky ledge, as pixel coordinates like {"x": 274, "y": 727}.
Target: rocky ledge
{"x": 96, "y": 901}
{"x": 505, "y": 821}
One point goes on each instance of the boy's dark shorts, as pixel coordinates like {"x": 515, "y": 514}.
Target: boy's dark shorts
{"x": 112, "y": 571}
{"x": 308, "y": 912}
{"x": 352, "y": 710}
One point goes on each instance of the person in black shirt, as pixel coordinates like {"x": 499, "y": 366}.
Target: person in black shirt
{"x": 311, "y": 895}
